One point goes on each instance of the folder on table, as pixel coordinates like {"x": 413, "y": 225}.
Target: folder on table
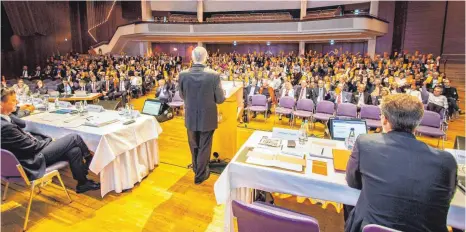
{"x": 340, "y": 159}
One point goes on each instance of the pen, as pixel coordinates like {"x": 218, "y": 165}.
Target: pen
{"x": 322, "y": 152}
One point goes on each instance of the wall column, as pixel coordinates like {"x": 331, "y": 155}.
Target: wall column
{"x": 303, "y": 9}
{"x": 146, "y": 11}
{"x": 200, "y": 10}
{"x": 302, "y": 46}
{"x": 371, "y": 46}
{"x": 200, "y": 44}
{"x": 374, "y": 8}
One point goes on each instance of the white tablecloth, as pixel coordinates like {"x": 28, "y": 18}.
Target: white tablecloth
{"x": 123, "y": 154}
{"x": 237, "y": 180}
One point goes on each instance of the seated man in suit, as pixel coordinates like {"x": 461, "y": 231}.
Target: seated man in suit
{"x": 81, "y": 86}
{"x": 320, "y": 93}
{"x": 340, "y": 96}
{"x": 163, "y": 92}
{"x": 361, "y": 97}
{"x": 94, "y": 86}
{"x": 25, "y": 73}
{"x": 65, "y": 87}
{"x": 436, "y": 101}
{"x": 249, "y": 91}
{"x": 405, "y": 184}
{"x": 303, "y": 92}
{"x": 136, "y": 84}
{"x": 36, "y": 152}
{"x": 107, "y": 88}
{"x": 123, "y": 88}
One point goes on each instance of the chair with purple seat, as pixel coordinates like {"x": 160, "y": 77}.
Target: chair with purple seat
{"x": 285, "y": 107}
{"x": 377, "y": 228}
{"x": 12, "y": 172}
{"x": 431, "y": 125}
{"x": 324, "y": 111}
{"x": 176, "y": 102}
{"x": 347, "y": 110}
{"x": 371, "y": 114}
{"x": 258, "y": 217}
{"x": 258, "y": 105}
{"x": 304, "y": 109}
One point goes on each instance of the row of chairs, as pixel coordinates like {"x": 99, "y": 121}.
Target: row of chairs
{"x": 258, "y": 217}
{"x": 182, "y": 18}
{"x": 431, "y": 123}
{"x": 323, "y": 14}
{"x": 250, "y": 17}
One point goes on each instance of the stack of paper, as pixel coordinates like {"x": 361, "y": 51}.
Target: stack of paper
{"x": 97, "y": 121}
{"x": 289, "y": 162}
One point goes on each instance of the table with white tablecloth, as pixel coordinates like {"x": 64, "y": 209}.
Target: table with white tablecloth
{"x": 123, "y": 154}
{"x": 239, "y": 178}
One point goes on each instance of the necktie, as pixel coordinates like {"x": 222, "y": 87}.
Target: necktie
{"x": 107, "y": 86}
{"x": 93, "y": 86}
{"x": 320, "y": 94}
{"x": 338, "y": 98}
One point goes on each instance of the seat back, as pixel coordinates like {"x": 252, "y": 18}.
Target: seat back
{"x": 9, "y": 171}
{"x": 347, "y": 110}
{"x": 377, "y": 228}
{"x": 177, "y": 97}
{"x": 258, "y": 218}
{"x": 370, "y": 112}
{"x": 326, "y": 107}
{"x": 305, "y": 104}
{"x": 287, "y": 102}
{"x": 258, "y": 100}
{"x": 431, "y": 119}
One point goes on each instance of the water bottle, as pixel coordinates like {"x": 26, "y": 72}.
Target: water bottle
{"x": 302, "y": 134}
{"x": 85, "y": 105}
{"x": 306, "y": 126}
{"x": 57, "y": 104}
{"x": 127, "y": 110}
{"x": 350, "y": 140}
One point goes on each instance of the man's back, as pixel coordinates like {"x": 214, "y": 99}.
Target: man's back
{"x": 406, "y": 184}
{"x": 201, "y": 91}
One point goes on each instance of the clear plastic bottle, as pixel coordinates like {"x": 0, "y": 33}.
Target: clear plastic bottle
{"x": 350, "y": 140}
{"x": 302, "y": 134}
{"x": 57, "y": 104}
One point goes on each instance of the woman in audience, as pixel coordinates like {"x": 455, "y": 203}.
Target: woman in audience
{"x": 413, "y": 91}
{"x": 40, "y": 88}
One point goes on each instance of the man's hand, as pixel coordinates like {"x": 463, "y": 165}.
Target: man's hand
{"x": 424, "y": 83}
{"x": 28, "y": 107}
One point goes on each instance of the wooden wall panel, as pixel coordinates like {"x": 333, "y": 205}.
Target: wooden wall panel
{"x": 453, "y": 45}
{"x": 183, "y": 49}
{"x": 386, "y": 12}
{"x": 424, "y": 27}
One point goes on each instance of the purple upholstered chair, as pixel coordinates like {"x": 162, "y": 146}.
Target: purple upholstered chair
{"x": 177, "y": 101}
{"x": 286, "y": 105}
{"x": 13, "y": 172}
{"x": 431, "y": 125}
{"x": 304, "y": 109}
{"x": 347, "y": 110}
{"x": 324, "y": 110}
{"x": 371, "y": 114}
{"x": 258, "y": 105}
{"x": 377, "y": 228}
{"x": 259, "y": 217}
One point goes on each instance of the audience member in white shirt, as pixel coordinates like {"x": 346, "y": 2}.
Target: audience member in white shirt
{"x": 414, "y": 92}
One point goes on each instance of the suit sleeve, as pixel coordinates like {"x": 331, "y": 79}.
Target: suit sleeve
{"x": 181, "y": 88}
{"x": 218, "y": 91}
{"x": 353, "y": 173}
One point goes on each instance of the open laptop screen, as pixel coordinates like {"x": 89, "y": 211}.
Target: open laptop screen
{"x": 340, "y": 128}
{"x": 152, "y": 108}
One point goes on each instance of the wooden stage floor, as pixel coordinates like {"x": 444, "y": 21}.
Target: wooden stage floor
{"x": 167, "y": 199}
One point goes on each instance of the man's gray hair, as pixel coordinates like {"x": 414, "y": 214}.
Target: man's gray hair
{"x": 199, "y": 55}
{"x": 403, "y": 112}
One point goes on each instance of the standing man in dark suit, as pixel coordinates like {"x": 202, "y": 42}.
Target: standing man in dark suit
{"x": 38, "y": 151}
{"x": 405, "y": 184}
{"x": 201, "y": 90}
{"x": 361, "y": 97}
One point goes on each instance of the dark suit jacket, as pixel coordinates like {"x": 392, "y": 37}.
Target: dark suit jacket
{"x": 315, "y": 94}
{"x": 104, "y": 86}
{"x": 367, "y": 98}
{"x": 246, "y": 92}
{"x": 127, "y": 85}
{"x": 61, "y": 88}
{"x": 201, "y": 90}
{"x": 97, "y": 87}
{"x": 298, "y": 92}
{"x": 26, "y": 149}
{"x": 405, "y": 184}
{"x": 42, "y": 90}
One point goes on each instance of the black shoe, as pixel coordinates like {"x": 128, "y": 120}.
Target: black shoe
{"x": 254, "y": 115}
{"x": 199, "y": 181}
{"x": 461, "y": 112}
{"x": 89, "y": 185}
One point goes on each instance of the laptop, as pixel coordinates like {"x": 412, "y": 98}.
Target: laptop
{"x": 340, "y": 128}
{"x": 80, "y": 93}
{"x": 152, "y": 107}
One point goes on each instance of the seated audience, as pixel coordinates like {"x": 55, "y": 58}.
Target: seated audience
{"x": 163, "y": 92}
{"x": 40, "y": 88}
{"x": 94, "y": 86}
{"x": 37, "y": 74}
{"x": 268, "y": 92}
{"x": 405, "y": 184}
{"x": 361, "y": 97}
{"x": 25, "y": 73}
{"x": 81, "y": 86}
{"x": 122, "y": 89}
{"x": 65, "y": 88}
{"x": 413, "y": 91}
{"x": 303, "y": 92}
{"x": 36, "y": 152}
{"x": 452, "y": 96}
{"x": 20, "y": 88}
{"x": 436, "y": 101}
{"x": 107, "y": 88}
{"x": 320, "y": 93}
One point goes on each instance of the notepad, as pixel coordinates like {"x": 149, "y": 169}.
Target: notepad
{"x": 283, "y": 161}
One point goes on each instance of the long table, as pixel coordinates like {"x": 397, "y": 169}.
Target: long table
{"x": 123, "y": 154}
{"x": 239, "y": 178}
{"x": 90, "y": 97}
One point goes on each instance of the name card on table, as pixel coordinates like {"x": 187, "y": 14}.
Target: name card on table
{"x": 64, "y": 104}
{"x": 95, "y": 108}
{"x": 285, "y": 134}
